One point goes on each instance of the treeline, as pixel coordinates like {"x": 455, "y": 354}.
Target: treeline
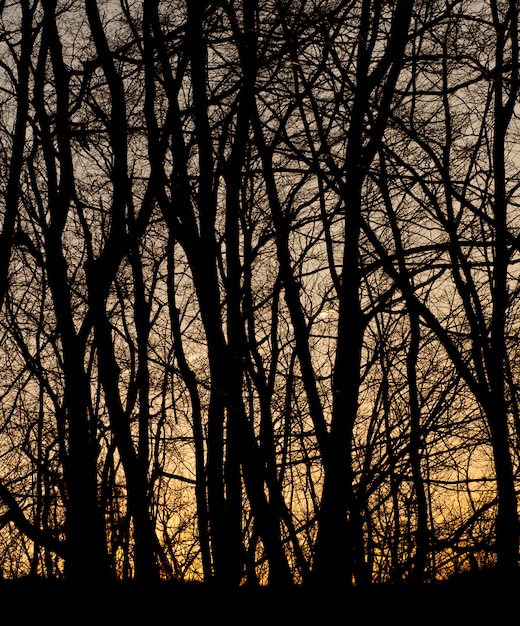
{"x": 259, "y": 289}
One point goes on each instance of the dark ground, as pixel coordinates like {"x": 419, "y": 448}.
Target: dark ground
{"x": 466, "y": 600}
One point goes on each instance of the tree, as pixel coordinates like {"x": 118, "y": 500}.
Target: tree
{"x": 258, "y": 290}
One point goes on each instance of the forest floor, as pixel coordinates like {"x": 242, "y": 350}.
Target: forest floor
{"x": 471, "y": 600}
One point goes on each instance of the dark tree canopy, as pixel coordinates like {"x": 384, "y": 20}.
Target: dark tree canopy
{"x": 259, "y": 290}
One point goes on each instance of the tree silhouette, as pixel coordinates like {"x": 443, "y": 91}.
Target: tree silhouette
{"x": 258, "y": 291}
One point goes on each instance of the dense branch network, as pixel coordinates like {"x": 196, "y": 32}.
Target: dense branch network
{"x": 259, "y": 289}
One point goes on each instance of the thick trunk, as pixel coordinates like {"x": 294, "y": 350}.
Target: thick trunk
{"x": 339, "y": 552}
{"x": 86, "y": 557}
{"x": 506, "y": 88}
